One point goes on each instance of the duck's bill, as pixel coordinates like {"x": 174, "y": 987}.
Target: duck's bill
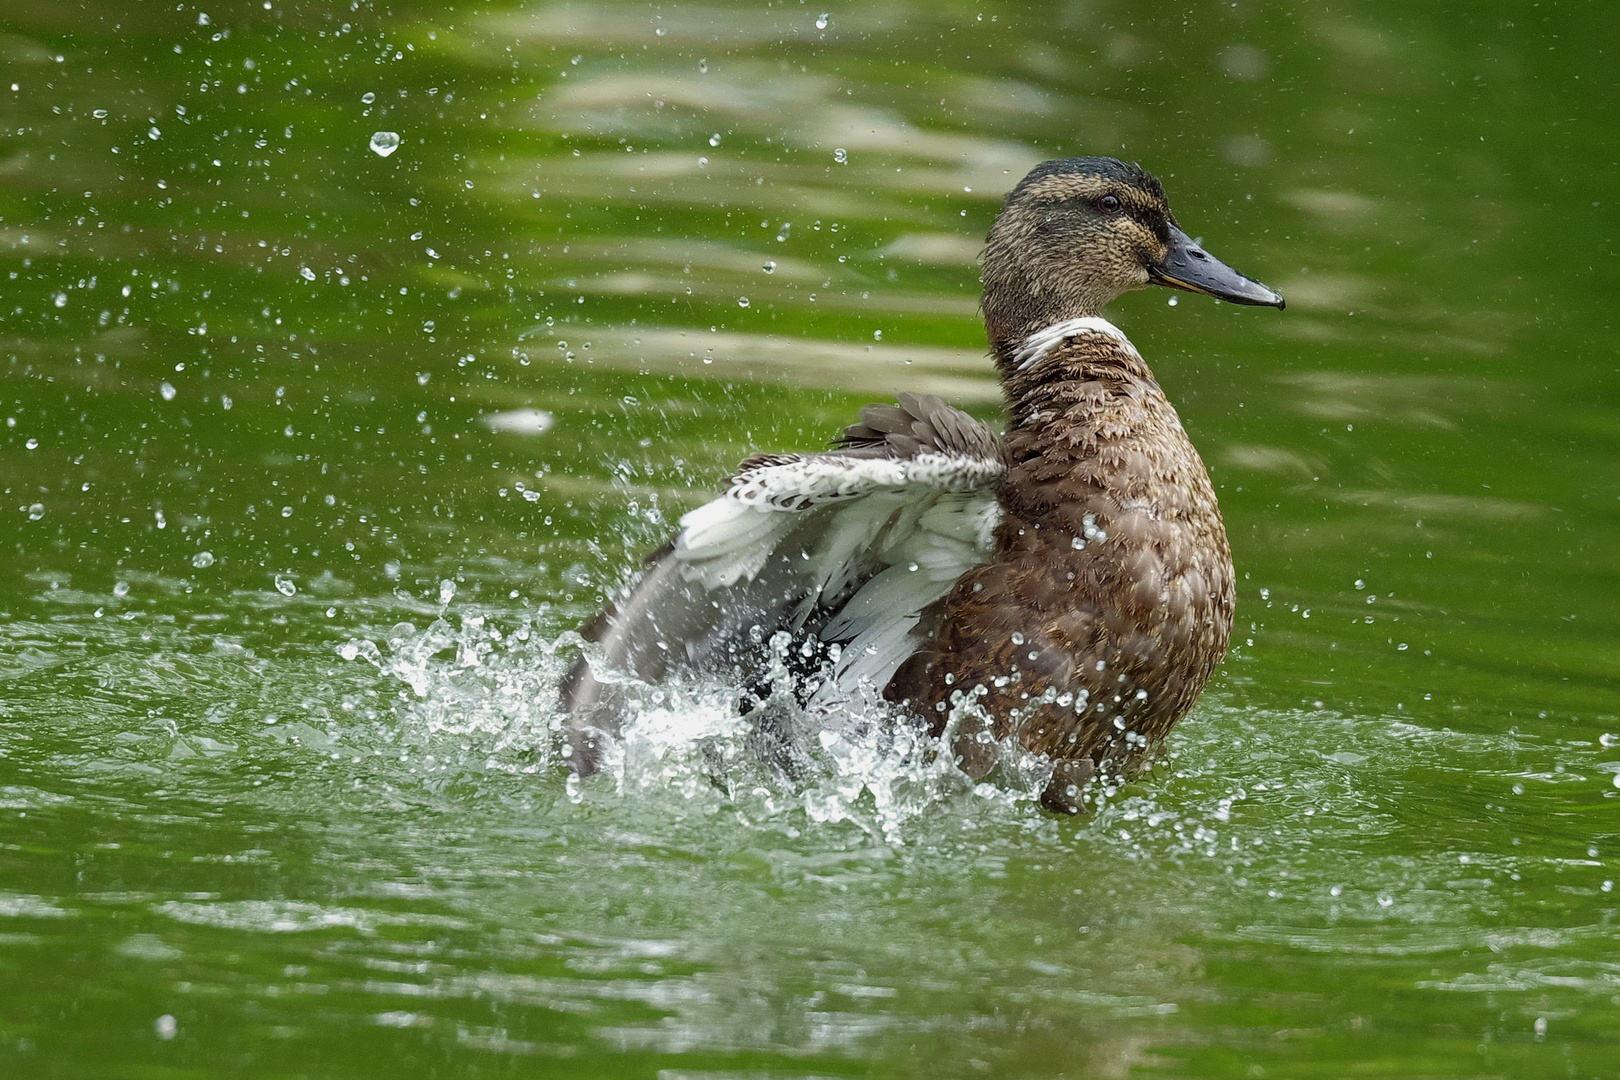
{"x": 1190, "y": 267}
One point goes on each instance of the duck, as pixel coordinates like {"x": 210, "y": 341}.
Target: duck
{"x": 1064, "y": 586}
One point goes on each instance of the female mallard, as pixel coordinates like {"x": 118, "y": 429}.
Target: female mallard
{"x": 1068, "y": 582}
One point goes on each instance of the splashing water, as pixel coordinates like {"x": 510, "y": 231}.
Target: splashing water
{"x": 494, "y": 694}
{"x": 482, "y": 701}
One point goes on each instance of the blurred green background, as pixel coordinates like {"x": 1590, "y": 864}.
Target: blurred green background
{"x": 311, "y": 453}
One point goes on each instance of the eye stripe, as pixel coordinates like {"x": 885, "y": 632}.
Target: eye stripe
{"x": 1062, "y": 188}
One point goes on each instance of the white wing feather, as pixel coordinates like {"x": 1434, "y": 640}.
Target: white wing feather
{"x": 914, "y": 525}
{"x": 729, "y": 539}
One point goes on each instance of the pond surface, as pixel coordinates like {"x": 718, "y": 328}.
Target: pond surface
{"x": 352, "y": 354}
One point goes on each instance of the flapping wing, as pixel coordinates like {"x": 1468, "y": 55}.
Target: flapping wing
{"x": 848, "y": 546}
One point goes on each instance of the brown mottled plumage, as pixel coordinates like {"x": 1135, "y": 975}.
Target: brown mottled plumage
{"x": 1127, "y": 627}
{"x": 1093, "y": 605}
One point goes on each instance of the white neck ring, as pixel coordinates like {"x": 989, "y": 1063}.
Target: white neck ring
{"x": 1043, "y": 341}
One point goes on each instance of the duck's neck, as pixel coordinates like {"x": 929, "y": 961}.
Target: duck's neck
{"x": 1075, "y": 373}
{"x": 1020, "y": 298}
{"x": 1086, "y": 417}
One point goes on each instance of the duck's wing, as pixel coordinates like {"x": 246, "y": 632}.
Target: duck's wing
{"x": 847, "y": 546}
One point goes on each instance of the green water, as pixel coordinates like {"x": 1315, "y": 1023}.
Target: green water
{"x": 280, "y": 791}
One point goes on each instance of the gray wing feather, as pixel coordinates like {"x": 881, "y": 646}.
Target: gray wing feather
{"x": 849, "y": 545}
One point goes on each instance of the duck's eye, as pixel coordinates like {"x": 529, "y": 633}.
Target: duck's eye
{"x": 1109, "y": 204}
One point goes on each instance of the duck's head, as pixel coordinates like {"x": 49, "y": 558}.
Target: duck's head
{"x": 1077, "y": 232}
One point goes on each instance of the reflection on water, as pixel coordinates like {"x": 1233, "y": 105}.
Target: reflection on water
{"x": 314, "y": 455}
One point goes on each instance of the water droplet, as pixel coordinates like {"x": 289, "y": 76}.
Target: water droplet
{"x": 59, "y": 299}
{"x": 285, "y": 586}
{"x": 36, "y": 511}
{"x": 742, "y": 301}
{"x": 31, "y": 444}
{"x": 1174, "y": 300}
{"x": 368, "y": 97}
{"x": 821, "y": 21}
{"x": 703, "y": 66}
{"x": 153, "y": 133}
{"x": 841, "y": 156}
{"x": 203, "y": 560}
{"x": 168, "y": 391}
{"x": 447, "y": 591}
{"x": 714, "y": 140}
{"x": 384, "y": 143}
{"x": 877, "y": 335}
{"x": 306, "y": 273}
{"x": 1385, "y": 900}
{"x": 99, "y": 114}
{"x": 121, "y": 589}
{"x": 165, "y": 1026}
{"x": 770, "y": 266}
